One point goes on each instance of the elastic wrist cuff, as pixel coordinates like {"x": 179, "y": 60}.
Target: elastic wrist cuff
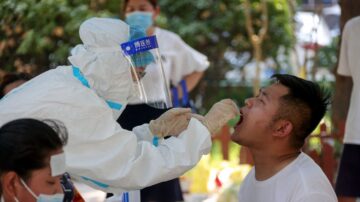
{"x": 155, "y": 141}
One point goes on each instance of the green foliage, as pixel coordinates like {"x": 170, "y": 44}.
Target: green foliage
{"x": 216, "y": 153}
{"x": 41, "y": 32}
{"x": 214, "y": 27}
{"x": 327, "y": 55}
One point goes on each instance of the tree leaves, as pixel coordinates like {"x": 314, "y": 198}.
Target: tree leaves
{"x": 39, "y": 31}
{"x": 214, "y": 27}
{"x": 43, "y": 31}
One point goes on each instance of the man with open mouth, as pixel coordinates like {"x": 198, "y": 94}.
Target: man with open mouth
{"x": 274, "y": 126}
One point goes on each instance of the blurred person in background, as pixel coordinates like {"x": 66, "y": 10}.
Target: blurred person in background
{"x": 183, "y": 65}
{"x": 348, "y": 179}
{"x": 11, "y": 81}
{"x": 183, "y": 68}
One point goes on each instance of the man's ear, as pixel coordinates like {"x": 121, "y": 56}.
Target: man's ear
{"x": 283, "y": 128}
{"x": 10, "y": 185}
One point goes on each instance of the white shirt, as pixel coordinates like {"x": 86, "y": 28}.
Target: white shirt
{"x": 178, "y": 60}
{"x": 349, "y": 65}
{"x": 301, "y": 180}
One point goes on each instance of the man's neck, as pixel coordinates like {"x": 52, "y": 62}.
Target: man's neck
{"x": 268, "y": 164}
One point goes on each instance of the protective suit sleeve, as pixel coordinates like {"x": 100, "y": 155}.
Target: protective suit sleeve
{"x": 121, "y": 162}
{"x": 143, "y": 133}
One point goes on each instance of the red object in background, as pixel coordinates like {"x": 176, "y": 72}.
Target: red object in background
{"x": 311, "y": 46}
{"x": 217, "y": 181}
{"x": 77, "y": 196}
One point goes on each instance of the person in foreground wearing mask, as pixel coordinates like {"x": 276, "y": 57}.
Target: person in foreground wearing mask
{"x": 89, "y": 96}
{"x": 183, "y": 68}
{"x": 32, "y": 161}
{"x": 274, "y": 126}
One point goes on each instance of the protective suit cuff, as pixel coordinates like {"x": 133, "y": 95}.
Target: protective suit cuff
{"x": 156, "y": 141}
{"x": 143, "y": 133}
{"x": 199, "y": 124}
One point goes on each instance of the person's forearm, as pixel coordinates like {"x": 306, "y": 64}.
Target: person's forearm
{"x": 191, "y": 81}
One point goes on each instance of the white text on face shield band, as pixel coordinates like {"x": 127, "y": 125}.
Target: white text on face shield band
{"x": 77, "y": 73}
{"x": 139, "y": 45}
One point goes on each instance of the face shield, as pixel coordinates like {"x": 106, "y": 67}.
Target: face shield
{"x": 143, "y": 55}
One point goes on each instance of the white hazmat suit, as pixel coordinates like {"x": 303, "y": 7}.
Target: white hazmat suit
{"x": 88, "y": 97}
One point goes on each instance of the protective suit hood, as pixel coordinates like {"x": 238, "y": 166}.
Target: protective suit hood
{"x": 101, "y": 61}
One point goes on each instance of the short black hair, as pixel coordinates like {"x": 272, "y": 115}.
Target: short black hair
{"x": 304, "y": 105}
{"x": 26, "y": 143}
{"x": 10, "y": 78}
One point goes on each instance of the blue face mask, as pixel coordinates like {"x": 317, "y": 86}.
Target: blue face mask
{"x": 43, "y": 197}
{"x": 139, "y": 19}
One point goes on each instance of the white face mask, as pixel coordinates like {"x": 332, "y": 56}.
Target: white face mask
{"x": 43, "y": 197}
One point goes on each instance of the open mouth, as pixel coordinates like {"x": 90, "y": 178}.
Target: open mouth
{"x": 240, "y": 119}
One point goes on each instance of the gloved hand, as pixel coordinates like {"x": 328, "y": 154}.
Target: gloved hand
{"x": 172, "y": 122}
{"x": 219, "y": 114}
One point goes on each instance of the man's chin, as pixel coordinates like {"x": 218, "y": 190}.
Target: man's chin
{"x": 235, "y": 137}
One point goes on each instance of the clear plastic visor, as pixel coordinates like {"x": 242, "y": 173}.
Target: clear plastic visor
{"x": 149, "y": 81}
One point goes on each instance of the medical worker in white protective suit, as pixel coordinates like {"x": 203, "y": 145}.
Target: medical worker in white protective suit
{"x": 88, "y": 97}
